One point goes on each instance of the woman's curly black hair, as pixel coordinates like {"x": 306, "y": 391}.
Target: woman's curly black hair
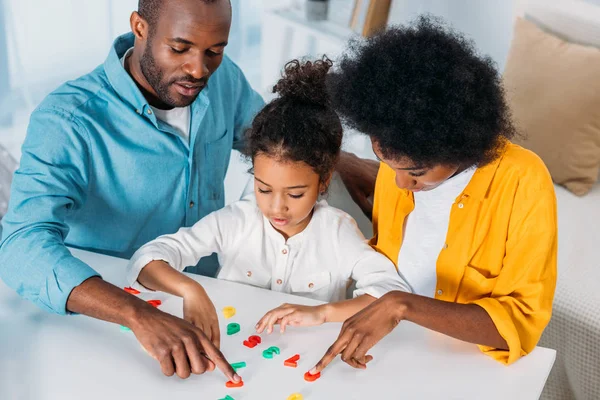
{"x": 423, "y": 93}
{"x": 299, "y": 125}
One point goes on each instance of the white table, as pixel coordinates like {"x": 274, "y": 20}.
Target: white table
{"x": 45, "y": 357}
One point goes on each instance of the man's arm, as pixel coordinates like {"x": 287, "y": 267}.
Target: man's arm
{"x": 51, "y": 182}
{"x": 359, "y": 176}
{"x": 177, "y": 345}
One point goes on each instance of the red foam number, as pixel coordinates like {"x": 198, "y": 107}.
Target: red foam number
{"x": 154, "y": 303}
{"x": 131, "y": 290}
{"x": 252, "y": 341}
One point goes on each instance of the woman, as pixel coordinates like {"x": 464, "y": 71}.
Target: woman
{"x": 468, "y": 218}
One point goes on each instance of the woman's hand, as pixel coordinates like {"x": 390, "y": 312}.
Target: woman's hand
{"x": 293, "y": 315}
{"x": 199, "y": 310}
{"x": 362, "y": 331}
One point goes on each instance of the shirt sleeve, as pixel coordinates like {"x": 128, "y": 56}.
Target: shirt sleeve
{"x": 373, "y": 273}
{"x": 50, "y": 183}
{"x": 521, "y": 303}
{"x": 248, "y": 104}
{"x": 215, "y": 233}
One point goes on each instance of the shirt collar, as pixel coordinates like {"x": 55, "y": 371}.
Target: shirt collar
{"x": 481, "y": 181}
{"x": 478, "y": 186}
{"x": 124, "y": 84}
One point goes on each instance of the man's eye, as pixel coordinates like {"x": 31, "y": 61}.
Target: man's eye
{"x": 178, "y": 51}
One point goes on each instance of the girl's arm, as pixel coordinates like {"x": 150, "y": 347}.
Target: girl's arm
{"x": 158, "y": 265}
{"x": 342, "y": 310}
{"x": 299, "y": 315}
{"x": 212, "y": 234}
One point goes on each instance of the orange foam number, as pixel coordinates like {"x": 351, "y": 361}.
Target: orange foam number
{"x": 310, "y": 377}
{"x": 292, "y": 361}
{"x": 231, "y": 384}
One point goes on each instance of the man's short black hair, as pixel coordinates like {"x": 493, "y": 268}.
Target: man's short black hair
{"x": 150, "y": 10}
{"x": 423, "y": 93}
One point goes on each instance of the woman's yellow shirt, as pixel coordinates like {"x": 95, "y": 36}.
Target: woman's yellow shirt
{"x": 501, "y": 245}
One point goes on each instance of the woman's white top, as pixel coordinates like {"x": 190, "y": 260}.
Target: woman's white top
{"x": 425, "y": 233}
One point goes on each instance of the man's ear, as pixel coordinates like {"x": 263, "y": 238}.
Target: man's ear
{"x": 139, "y": 26}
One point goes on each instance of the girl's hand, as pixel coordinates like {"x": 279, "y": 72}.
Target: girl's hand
{"x": 293, "y": 315}
{"x": 199, "y": 310}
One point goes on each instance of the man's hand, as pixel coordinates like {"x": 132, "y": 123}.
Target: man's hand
{"x": 179, "y": 346}
{"x": 199, "y": 310}
{"x": 359, "y": 176}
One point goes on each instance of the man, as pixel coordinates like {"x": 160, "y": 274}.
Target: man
{"x": 135, "y": 149}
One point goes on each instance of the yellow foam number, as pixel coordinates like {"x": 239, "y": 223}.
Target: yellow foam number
{"x": 295, "y": 396}
{"x": 228, "y": 312}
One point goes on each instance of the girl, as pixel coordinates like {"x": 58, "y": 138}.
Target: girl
{"x": 284, "y": 239}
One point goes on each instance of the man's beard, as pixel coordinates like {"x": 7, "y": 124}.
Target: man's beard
{"x": 154, "y": 76}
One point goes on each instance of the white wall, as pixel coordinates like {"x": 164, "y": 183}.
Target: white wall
{"x": 488, "y": 22}
{"x": 71, "y": 36}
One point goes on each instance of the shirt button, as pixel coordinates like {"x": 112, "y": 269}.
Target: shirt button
{"x": 440, "y": 292}
{"x": 460, "y": 205}
{"x": 284, "y": 251}
{"x": 311, "y": 285}
{"x": 192, "y": 204}
{"x": 249, "y": 274}
{"x": 279, "y": 281}
{"x": 138, "y": 111}
{"x": 149, "y": 112}
{"x": 445, "y": 246}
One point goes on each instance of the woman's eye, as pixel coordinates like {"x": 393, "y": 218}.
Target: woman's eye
{"x": 296, "y": 196}
{"x": 263, "y": 191}
{"x": 416, "y": 174}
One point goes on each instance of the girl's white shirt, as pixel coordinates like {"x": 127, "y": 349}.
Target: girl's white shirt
{"x": 319, "y": 263}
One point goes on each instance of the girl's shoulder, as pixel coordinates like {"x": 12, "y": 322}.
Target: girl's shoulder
{"x": 242, "y": 211}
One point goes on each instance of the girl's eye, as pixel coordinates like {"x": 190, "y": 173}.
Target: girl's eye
{"x": 263, "y": 191}
{"x": 296, "y": 196}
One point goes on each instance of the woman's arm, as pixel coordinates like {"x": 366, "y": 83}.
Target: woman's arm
{"x": 467, "y": 322}
{"x": 359, "y": 176}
